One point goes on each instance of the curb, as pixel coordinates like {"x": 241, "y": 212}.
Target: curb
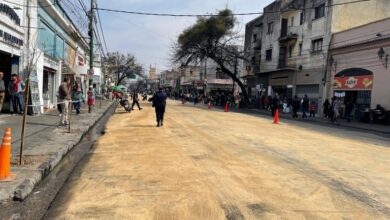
{"x": 26, "y": 187}
{"x": 318, "y": 122}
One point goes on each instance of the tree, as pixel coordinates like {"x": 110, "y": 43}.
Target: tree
{"x": 120, "y": 66}
{"x": 33, "y": 53}
{"x": 212, "y": 37}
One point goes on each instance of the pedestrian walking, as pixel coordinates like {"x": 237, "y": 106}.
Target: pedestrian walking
{"x": 135, "y": 101}
{"x": 77, "y": 98}
{"x": 313, "y": 109}
{"x": 91, "y": 99}
{"x": 304, "y": 106}
{"x": 335, "y": 109}
{"x": 295, "y": 106}
{"x": 159, "y": 103}
{"x": 64, "y": 100}
{"x": 16, "y": 89}
{"x": 2, "y": 90}
{"x": 325, "y": 108}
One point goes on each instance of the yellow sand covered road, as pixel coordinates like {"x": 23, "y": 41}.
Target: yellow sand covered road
{"x": 214, "y": 165}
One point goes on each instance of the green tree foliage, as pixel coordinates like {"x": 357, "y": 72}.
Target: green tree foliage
{"x": 211, "y": 37}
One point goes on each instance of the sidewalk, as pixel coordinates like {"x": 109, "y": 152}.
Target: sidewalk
{"x": 45, "y": 145}
{"x": 383, "y": 129}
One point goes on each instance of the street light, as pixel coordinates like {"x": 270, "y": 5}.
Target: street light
{"x": 383, "y": 56}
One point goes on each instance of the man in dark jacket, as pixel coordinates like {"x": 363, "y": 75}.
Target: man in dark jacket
{"x": 135, "y": 101}
{"x": 159, "y": 103}
{"x": 305, "y": 106}
{"x": 295, "y": 106}
{"x": 64, "y": 99}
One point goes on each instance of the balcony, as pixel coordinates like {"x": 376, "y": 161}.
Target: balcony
{"x": 288, "y": 34}
{"x": 289, "y": 5}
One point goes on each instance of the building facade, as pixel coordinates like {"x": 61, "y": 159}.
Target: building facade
{"x": 62, "y": 52}
{"x": 295, "y": 40}
{"x": 252, "y": 51}
{"x": 12, "y": 43}
{"x": 359, "y": 71}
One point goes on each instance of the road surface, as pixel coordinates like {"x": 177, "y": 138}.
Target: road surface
{"x": 214, "y": 165}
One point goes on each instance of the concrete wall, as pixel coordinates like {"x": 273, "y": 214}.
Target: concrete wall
{"x": 351, "y": 15}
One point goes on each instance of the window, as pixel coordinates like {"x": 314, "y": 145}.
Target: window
{"x": 292, "y": 21}
{"x": 290, "y": 50}
{"x": 317, "y": 45}
{"x": 319, "y": 11}
{"x": 300, "y": 49}
{"x": 254, "y": 38}
{"x": 302, "y": 18}
{"x": 270, "y": 28}
{"x": 268, "y": 55}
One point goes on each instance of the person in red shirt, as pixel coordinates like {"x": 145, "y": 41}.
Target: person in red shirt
{"x": 313, "y": 109}
{"x": 91, "y": 99}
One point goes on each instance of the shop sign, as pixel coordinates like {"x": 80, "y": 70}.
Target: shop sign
{"x": 9, "y": 38}
{"x": 10, "y": 12}
{"x": 353, "y": 82}
{"x": 48, "y": 62}
{"x": 200, "y": 83}
{"x": 80, "y": 60}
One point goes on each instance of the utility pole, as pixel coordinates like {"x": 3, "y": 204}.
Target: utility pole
{"x": 90, "y": 33}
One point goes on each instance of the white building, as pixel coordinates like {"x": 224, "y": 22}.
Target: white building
{"x": 11, "y": 41}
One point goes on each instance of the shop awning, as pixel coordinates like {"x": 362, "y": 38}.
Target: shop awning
{"x": 278, "y": 70}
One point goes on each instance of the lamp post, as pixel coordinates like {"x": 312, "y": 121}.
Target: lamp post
{"x": 383, "y": 56}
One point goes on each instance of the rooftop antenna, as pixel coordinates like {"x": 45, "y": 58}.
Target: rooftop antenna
{"x": 227, "y": 4}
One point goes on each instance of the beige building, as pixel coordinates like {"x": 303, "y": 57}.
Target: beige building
{"x": 360, "y": 66}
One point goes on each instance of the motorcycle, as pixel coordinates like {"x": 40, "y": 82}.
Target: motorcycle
{"x": 125, "y": 104}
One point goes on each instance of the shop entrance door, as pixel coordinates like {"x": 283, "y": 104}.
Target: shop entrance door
{"x": 5, "y": 67}
{"x": 48, "y": 87}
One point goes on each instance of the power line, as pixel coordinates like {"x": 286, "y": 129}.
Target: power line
{"x": 101, "y": 29}
{"x": 172, "y": 15}
{"x": 214, "y": 15}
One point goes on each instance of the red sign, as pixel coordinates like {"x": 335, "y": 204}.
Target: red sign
{"x": 353, "y": 83}
{"x": 81, "y": 60}
{"x": 200, "y": 83}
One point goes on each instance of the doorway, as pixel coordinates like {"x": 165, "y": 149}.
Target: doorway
{"x": 6, "y": 68}
{"x": 48, "y": 87}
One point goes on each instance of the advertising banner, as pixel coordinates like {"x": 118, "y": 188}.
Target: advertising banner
{"x": 353, "y": 83}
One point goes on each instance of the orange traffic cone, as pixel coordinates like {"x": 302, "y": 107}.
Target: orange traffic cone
{"x": 209, "y": 106}
{"x": 276, "y": 118}
{"x": 226, "y": 107}
{"x": 5, "y": 155}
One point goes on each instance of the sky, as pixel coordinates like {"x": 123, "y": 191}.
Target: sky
{"x": 150, "y": 38}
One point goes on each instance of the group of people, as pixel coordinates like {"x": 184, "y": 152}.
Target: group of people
{"x": 67, "y": 96}
{"x": 305, "y": 105}
{"x": 16, "y": 89}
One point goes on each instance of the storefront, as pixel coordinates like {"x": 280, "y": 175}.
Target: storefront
{"x": 11, "y": 45}
{"x": 50, "y": 82}
{"x": 219, "y": 85}
{"x": 354, "y": 86}
{"x": 281, "y": 83}
{"x": 360, "y": 73}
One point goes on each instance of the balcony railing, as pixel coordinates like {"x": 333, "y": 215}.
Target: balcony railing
{"x": 289, "y": 34}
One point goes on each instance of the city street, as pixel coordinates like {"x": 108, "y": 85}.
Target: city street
{"x": 214, "y": 165}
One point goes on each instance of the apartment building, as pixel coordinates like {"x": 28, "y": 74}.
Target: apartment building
{"x": 295, "y": 40}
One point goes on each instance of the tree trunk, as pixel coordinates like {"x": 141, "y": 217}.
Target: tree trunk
{"x": 120, "y": 79}
{"x": 235, "y": 79}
